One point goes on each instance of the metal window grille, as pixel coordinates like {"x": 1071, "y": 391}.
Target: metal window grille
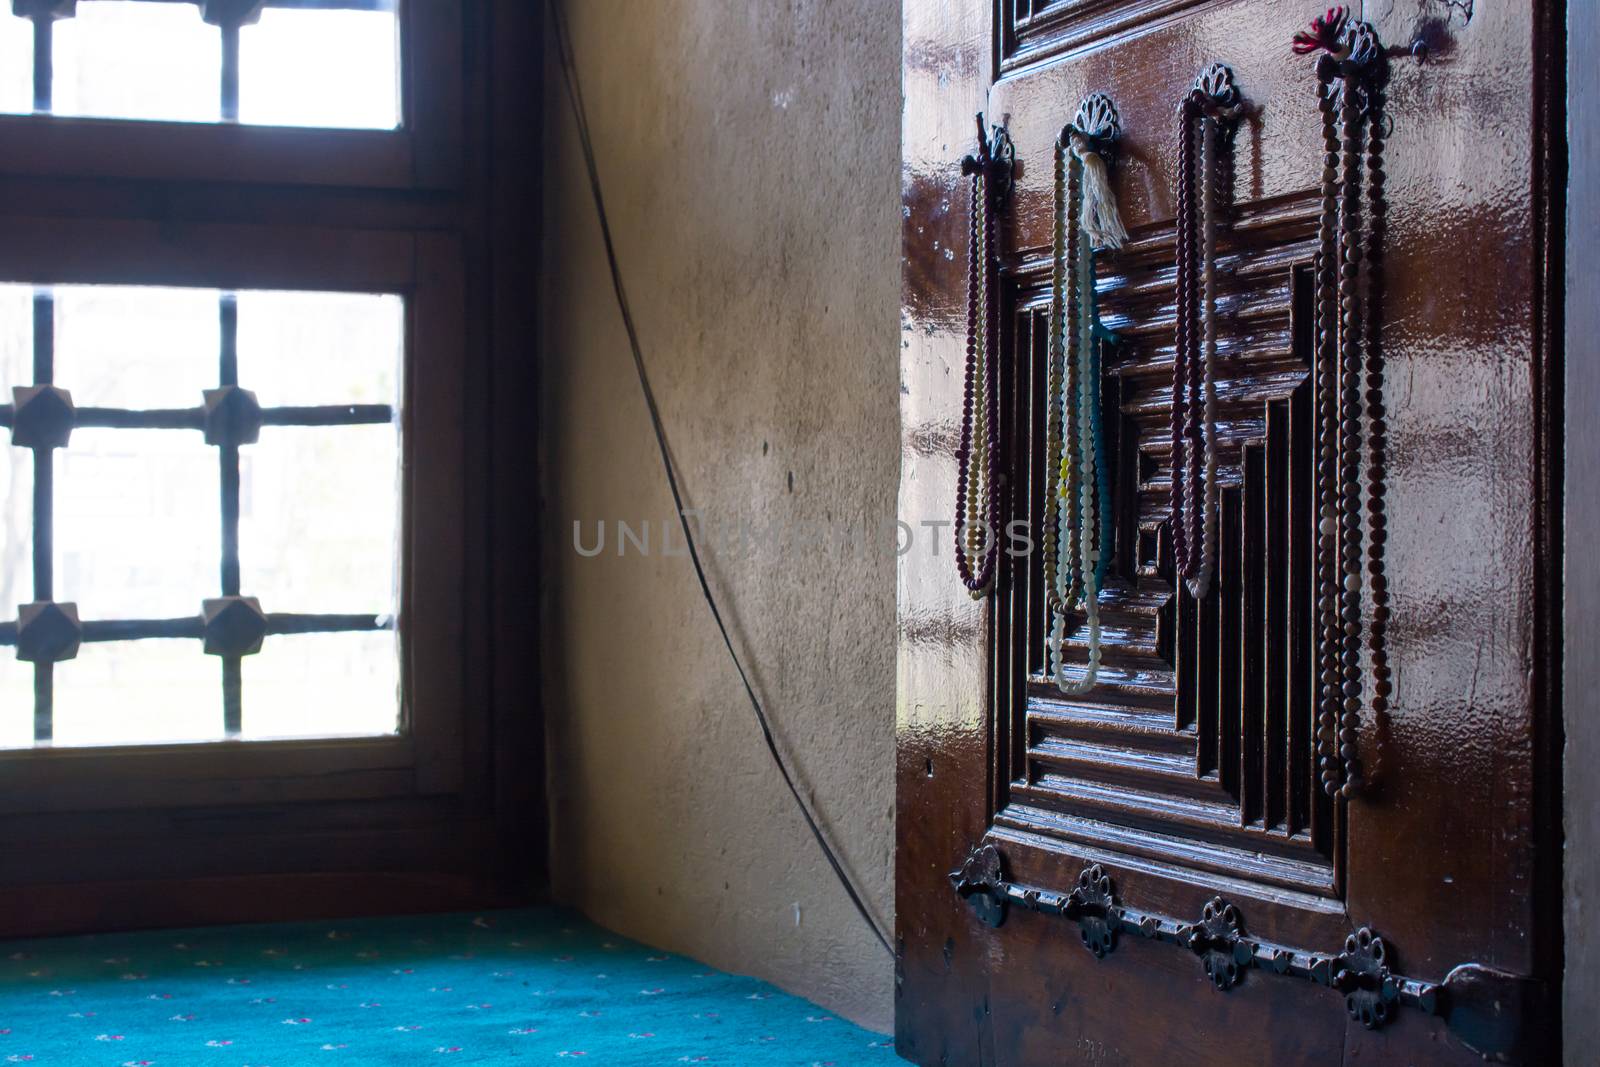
{"x": 230, "y": 626}
{"x": 227, "y": 15}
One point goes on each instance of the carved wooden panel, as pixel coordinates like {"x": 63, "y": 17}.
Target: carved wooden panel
{"x": 1195, "y": 751}
{"x": 1034, "y": 30}
{"x": 1185, "y": 778}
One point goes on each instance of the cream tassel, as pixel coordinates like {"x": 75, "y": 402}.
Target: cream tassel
{"x": 1102, "y": 223}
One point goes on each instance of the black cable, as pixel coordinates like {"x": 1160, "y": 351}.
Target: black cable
{"x": 569, "y": 73}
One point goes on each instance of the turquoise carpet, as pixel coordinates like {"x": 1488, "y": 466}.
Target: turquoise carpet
{"x": 534, "y": 986}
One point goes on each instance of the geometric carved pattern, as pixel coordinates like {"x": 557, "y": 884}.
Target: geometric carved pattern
{"x": 1195, "y": 750}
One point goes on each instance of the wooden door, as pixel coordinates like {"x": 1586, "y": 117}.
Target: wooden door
{"x": 1171, "y": 819}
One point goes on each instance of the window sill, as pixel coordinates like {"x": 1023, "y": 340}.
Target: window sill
{"x": 225, "y": 772}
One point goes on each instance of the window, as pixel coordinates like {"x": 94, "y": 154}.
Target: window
{"x": 193, "y": 471}
{"x": 377, "y": 302}
{"x": 283, "y": 62}
{"x": 331, "y": 93}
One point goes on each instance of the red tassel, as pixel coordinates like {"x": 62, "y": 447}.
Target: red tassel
{"x": 1326, "y": 31}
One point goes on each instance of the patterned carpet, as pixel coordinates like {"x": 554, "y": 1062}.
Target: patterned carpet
{"x": 533, "y": 986}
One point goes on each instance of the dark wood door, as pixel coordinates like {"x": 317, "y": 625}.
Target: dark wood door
{"x": 1180, "y": 797}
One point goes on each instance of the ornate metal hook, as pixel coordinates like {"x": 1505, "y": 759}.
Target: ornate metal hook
{"x": 1362, "y": 974}
{"x": 1097, "y": 122}
{"x": 1218, "y": 939}
{"x": 996, "y": 159}
{"x": 1093, "y": 904}
{"x": 980, "y": 882}
{"x": 1215, "y": 93}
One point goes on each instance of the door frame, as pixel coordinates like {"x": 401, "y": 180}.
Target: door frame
{"x": 1579, "y": 511}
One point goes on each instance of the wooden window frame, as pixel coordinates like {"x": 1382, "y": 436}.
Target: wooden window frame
{"x": 424, "y": 152}
{"x": 426, "y": 271}
{"x": 451, "y": 814}
{"x": 444, "y": 211}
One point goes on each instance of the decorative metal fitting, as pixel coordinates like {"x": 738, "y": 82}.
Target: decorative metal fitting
{"x": 1490, "y": 1011}
{"x": 42, "y": 416}
{"x": 1352, "y": 54}
{"x": 1218, "y": 939}
{"x": 1093, "y": 904}
{"x": 1097, "y": 122}
{"x": 1362, "y": 974}
{"x": 981, "y": 883}
{"x": 48, "y": 632}
{"x": 234, "y": 626}
{"x": 232, "y": 416}
{"x": 1215, "y": 93}
{"x": 996, "y": 160}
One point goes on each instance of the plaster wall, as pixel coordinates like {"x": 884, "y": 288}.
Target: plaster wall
{"x": 750, "y": 159}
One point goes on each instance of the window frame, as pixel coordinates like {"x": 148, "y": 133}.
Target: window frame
{"x": 424, "y": 152}
{"x": 425, "y": 757}
{"x": 462, "y": 824}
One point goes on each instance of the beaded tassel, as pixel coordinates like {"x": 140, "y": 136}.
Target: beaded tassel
{"x": 1183, "y": 325}
{"x": 1212, "y": 102}
{"x": 977, "y": 520}
{"x": 1349, "y": 82}
{"x": 1077, "y": 512}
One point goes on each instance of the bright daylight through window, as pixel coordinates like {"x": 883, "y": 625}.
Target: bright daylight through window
{"x": 199, "y": 488}
{"x": 200, "y": 514}
{"x": 329, "y": 63}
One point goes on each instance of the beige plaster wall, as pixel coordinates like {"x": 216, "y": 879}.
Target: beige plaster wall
{"x": 750, "y": 157}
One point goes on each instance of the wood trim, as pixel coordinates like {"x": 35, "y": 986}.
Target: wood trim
{"x": 101, "y": 148}
{"x": 433, "y": 616}
{"x": 53, "y": 910}
{"x": 244, "y": 772}
{"x": 402, "y": 833}
{"x": 215, "y": 255}
{"x": 1579, "y": 681}
{"x": 516, "y": 485}
{"x": 433, "y": 38}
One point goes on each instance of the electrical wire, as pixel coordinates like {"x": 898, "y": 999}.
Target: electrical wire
{"x": 569, "y": 73}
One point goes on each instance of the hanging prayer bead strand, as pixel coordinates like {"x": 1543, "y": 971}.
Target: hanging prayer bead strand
{"x": 1086, "y": 218}
{"x": 1377, "y": 425}
{"x": 1183, "y": 314}
{"x": 1069, "y": 573}
{"x": 1350, "y": 80}
{"x": 1350, "y": 344}
{"x": 1056, "y": 355}
{"x": 977, "y": 516}
{"x": 1327, "y": 441}
{"x": 1208, "y": 282}
{"x": 1205, "y": 115}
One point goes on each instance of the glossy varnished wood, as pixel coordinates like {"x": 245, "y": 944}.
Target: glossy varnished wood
{"x": 1445, "y": 858}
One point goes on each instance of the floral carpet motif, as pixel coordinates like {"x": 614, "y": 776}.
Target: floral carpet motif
{"x": 528, "y": 986}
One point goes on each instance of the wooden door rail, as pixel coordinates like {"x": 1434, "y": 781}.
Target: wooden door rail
{"x": 1488, "y": 1010}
